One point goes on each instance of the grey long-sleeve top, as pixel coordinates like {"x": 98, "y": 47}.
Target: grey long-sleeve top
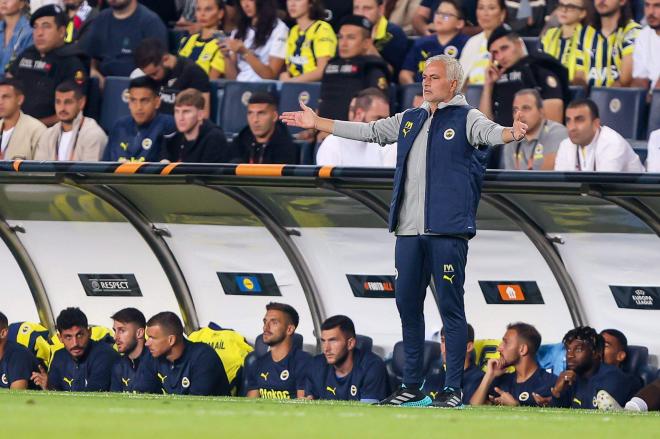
{"x": 480, "y": 131}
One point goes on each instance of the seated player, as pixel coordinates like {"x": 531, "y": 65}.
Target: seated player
{"x": 84, "y": 365}
{"x": 179, "y": 366}
{"x": 281, "y": 372}
{"x": 615, "y": 352}
{"x": 343, "y": 372}
{"x": 472, "y": 374}
{"x": 16, "y": 362}
{"x": 519, "y": 345}
{"x": 587, "y": 375}
{"x": 129, "y": 326}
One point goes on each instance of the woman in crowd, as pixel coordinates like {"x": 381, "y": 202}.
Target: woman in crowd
{"x": 563, "y": 41}
{"x": 257, "y": 47}
{"x": 15, "y": 31}
{"x": 311, "y": 43}
{"x": 204, "y": 47}
{"x": 475, "y": 58}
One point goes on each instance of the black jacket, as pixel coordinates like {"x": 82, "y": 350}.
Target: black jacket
{"x": 279, "y": 149}
{"x": 209, "y": 147}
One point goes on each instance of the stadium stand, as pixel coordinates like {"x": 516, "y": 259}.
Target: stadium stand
{"x": 614, "y": 102}
{"x": 291, "y": 93}
{"x": 473, "y": 94}
{"x": 654, "y": 112}
{"x": 407, "y": 93}
{"x": 114, "y": 104}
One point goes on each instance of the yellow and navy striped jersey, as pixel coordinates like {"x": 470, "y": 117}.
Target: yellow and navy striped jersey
{"x": 566, "y": 50}
{"x": 602, "y": 56}
{"x": 304, "y": 48}
{"x": 205, "y": 52}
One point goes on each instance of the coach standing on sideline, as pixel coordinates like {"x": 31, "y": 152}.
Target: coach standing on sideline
{"x": 433, "y": 210}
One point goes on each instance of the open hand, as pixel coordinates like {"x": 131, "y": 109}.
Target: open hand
{"x": 504, "y": 398}
{"x": 305, "y": 119}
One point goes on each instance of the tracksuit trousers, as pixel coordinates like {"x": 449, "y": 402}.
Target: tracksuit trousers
{"x": 417, "y": 258}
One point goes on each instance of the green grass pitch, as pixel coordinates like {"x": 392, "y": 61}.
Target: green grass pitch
{"x": 68, "y": 415}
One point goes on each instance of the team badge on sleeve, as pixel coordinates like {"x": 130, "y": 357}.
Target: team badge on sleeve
{"x": 79, "y": 77}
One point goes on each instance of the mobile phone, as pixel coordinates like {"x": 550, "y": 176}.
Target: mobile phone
{"x": 220, "y": 36}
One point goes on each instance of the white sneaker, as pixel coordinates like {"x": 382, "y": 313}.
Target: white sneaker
{"x": 605, "y": 401}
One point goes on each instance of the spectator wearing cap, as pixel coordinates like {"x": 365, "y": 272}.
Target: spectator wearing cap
{"x": 389, "y": 40}
{"x": 19, "y": 133}
{"x": 47, "y": 63}
{"x": 510, "y": 71}
{"x": 265, "y": 139}
{"x": 172, "y": 73}
{"x": 81, "y": 15}
{"x": 197, "y": 139}
{"x": 138, "y": 137}
{"x": 74, "y": 137}
{"x": 352, "y": 70}
{"x": 116, "y": 33}
{"x": 15, "y": 31}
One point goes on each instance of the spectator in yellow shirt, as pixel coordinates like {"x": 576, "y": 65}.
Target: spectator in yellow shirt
{"x": 203, "y": 47}
{"x": 311, "y": 42}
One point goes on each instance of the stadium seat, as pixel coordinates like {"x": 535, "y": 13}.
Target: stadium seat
{"x": 622, "y": 109}
{"x": 94, "y": 99}
{"x": 473, "y": 95}
{"x": 292, "y": 93}
{"x": 577, "y": 92}
{"x": 552, "y": 357}
{"x": 115, "y": 101}
{"x": 407, "y": 94}
{"x": 636, "y": 363}
{"x": 233, "y": 109}
{"x": 364, "y": 343}
{"x": 640, "y": 148}
{"x": 432, "y": 362}
{"x": 654, "y": 113}
{"x": 532, "y": 44}
{"x": 306, "y": 156}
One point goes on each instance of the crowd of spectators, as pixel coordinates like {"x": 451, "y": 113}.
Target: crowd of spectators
{"x": 358, "y": 51}
{"x": 156, "y": 356}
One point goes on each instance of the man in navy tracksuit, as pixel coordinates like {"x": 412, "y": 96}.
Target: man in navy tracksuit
{"x": 441, "y": 161}
{"x": 138, "y": 137}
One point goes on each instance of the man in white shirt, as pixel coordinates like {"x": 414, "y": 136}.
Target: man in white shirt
{"x": 369, "y": 105}
{"x": 74, "y": 136}
{"x": 646, "y": 63}
{"x": 653, "y": 148}
{"x": 592, "y": 147}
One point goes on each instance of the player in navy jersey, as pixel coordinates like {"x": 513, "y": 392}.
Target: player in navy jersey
{"x": 519, "y": 345}
{"x": 16, "y": 362}
{"x": 281, "y": 372}
{"x": 179, "y": 366}
{"x": 83, "y": 365}
{"x": 472, "y": 374}
{"x": 343, "y": 372}
{"x": 129, "y": 326}
{"x": 579, "y": 386}
{"x": 615, "y": 353}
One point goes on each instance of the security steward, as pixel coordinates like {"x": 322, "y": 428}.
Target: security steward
{"x": 46, "y": 64}
{"x": 441, "y": 154}
{"x": 352, "y": 70}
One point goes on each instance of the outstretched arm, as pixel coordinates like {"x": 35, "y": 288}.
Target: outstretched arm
{"x": 383, "y": 132}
